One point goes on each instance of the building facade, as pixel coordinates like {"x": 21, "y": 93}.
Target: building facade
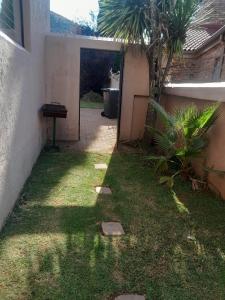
{"x": 204, "y": 50}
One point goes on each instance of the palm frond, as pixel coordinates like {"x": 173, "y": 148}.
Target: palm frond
{"x": 179, "y": 20}
{"x": 195, "y": 122}
{"x": 193, "y": 149}
{"x": 164, "y": 144}
{"x": 160, "y": 162}
{"x": 166, "y": 118}
{"x": 168, "y": 180}
{"x": 208, "y": 117}
{"x": 188, "y": 119}
{"x": 197, "y": 144}
{"x": 123, "y": 19}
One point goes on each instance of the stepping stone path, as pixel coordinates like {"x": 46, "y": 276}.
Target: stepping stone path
{"x": 103, "y": 190}
{"x": 112, "y": 229}
{"x": 130, "y": 297}
{"x": 101, "y": 166}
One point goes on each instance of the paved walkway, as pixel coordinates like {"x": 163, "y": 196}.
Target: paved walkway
{"x": 97, "y": 134}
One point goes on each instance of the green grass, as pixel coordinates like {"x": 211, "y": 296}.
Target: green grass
{"x": 89, "y": 104}
{"x": 52, "y": 248}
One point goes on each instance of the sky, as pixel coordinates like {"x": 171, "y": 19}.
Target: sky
{"x": 75, "y": 10}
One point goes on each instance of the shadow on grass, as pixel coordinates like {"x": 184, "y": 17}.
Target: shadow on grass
{"x": 173, "y": 248}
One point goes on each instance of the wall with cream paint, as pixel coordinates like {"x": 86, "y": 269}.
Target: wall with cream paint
{"x": 22, "y": 93}
{"x": 63, "y": 81}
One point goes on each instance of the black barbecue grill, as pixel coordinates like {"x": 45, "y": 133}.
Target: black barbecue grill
{"x": 54, "y": 110}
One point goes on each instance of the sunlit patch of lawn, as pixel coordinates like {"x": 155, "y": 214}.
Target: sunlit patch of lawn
{"x": 90, "y": 104}
{"x": 52, "y": 247}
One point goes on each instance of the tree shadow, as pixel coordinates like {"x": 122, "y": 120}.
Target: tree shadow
{"x": 81, "y": 268}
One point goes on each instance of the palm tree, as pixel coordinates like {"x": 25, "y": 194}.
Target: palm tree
{"x": 158, "y": 26}
{"x": 184, "y": 137}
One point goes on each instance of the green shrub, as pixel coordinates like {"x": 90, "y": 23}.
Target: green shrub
{"x": 183, "y": 138}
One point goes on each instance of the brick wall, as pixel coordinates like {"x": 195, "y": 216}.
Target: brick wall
{"x": 184, "y": 69}
{"x": 205, "y": 67}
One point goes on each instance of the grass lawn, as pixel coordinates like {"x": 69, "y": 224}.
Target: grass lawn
{"x": 52, "y": 248}
{"x": 89, "y": 104}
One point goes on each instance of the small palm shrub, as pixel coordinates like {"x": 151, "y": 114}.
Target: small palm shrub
{"x": 183, "y": 138}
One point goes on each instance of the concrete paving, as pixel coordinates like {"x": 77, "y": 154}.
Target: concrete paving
{"x": 101, "y": 166}
{"x": 97, "y": 134}
{"x": 103, "y": 190}
{"x": 130, "y": 297}
{"x": 112, "y": 229}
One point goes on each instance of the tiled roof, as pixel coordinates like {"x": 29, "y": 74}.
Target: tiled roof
{"x": 211, "y": 11}
{"x": 196, "y": 38}
{"x": 208, "y": 21}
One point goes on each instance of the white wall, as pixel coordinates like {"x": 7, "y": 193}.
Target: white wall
{"x": 22, "y": 85}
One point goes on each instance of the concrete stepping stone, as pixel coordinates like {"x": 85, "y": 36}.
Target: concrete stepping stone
{"x": 112, "y": 229}
{"x": 130, "y": 297}
{"x": 103, "y": 190}
{"x": 101, "y": 166}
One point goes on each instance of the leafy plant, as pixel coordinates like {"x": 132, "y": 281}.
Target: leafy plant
{"x": 183, "y": 138}
{"x": 158, "y": 26}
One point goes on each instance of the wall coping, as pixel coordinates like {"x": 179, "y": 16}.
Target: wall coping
{"x": 210, "y": 91}
{"x": 86, "y": 42}
{"x": 83, "y": 37}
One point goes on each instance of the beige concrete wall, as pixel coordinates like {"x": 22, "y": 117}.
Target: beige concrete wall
{"x": 21, "y": 96}
{"x": 135, "y": 83}
{"x": 63, "y": 80}
{"x": 215, "y": 153}
{"x": 63, "y": 76}
{"x": 140, "y": 109}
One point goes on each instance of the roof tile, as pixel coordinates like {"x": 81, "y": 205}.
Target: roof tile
{"x": 196, "y": 38}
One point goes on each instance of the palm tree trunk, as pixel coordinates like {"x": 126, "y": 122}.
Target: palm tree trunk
{"x": 156, "y": 83}
{"x": 150, "y": 112}
{"x": 166, "y": 71}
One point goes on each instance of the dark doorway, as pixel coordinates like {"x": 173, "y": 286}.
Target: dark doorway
{"x": 99, "y": 79}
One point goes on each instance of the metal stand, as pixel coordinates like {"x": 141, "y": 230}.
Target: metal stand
{"x": 53, "y": 146}
{"x": 54, "y": 132}
{"x": 54, "y": 111}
